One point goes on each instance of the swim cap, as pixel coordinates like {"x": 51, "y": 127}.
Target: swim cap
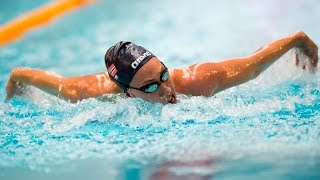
{"x": 123, "y": 61}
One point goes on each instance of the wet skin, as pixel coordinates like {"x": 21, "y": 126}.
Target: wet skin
{"x": 149, "y": 73}
{"x": 200, "y": 79}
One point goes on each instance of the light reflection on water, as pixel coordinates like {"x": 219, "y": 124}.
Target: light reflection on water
{"x": 235, "y": 125}
{"x": 268, "y": 125}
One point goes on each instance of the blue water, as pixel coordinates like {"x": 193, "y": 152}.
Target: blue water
{"x": 268, "y": 128}
{"x": 11, "y": 9}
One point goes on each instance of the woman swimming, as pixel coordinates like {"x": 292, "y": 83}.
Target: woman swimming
{"x": 135, "y": 71}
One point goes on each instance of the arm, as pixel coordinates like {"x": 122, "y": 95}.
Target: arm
{"x": 209, "y": 78}
{"x": 68, "y": 88}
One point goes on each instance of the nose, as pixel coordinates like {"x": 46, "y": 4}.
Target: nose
{"x": 166, "y": 89}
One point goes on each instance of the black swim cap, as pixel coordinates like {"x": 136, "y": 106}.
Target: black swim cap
{"x": 123, "y": 61}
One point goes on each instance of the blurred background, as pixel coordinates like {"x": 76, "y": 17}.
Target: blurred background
{"x": 267, "y": 128}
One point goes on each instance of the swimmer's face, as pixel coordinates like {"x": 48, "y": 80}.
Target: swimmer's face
{"x": 152, "y": 72}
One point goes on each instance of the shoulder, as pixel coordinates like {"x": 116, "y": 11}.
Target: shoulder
{"x": 197, "y": 79}
{"x": 177, "y": 76}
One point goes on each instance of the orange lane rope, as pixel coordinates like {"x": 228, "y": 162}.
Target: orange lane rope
{"x": 41, "y": 16}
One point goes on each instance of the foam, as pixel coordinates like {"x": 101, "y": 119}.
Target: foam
{"x": 273, "y": 119}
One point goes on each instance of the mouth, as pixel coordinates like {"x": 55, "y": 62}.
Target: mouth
{"x": 173, "y": 99}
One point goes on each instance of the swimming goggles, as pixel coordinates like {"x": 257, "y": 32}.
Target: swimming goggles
{"x": 152, "y": 87}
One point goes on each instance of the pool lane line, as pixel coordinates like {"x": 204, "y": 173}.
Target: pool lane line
{"x": 16, "y": 28}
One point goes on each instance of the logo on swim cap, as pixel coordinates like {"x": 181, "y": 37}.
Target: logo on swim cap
{"x": 136, "y": 63}
{"x": 112, "y": 70}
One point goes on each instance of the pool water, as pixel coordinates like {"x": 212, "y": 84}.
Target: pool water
{"x": 268, "y": 128}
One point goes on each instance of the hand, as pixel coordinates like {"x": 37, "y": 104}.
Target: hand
{"x": 13, "y": 87}
{"x": 308, "y": 48}
{"x": 10, "y": 88}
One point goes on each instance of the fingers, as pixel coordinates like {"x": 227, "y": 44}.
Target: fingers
{"x": 296, "y": 59}
{"x": 305, "y": 62}
{"x": 315, "y": 59}
{"x": 306, "y": 54}
{"x": 310, "y": 49}
{"x": 9, "y": 89}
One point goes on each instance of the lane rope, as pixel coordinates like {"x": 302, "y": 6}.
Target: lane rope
{"x": 16, "y": 28}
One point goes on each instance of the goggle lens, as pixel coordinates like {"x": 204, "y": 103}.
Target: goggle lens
{"x": 152, "y": 87}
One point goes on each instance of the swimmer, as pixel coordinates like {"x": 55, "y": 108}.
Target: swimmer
{"x": 136, "y": 72}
